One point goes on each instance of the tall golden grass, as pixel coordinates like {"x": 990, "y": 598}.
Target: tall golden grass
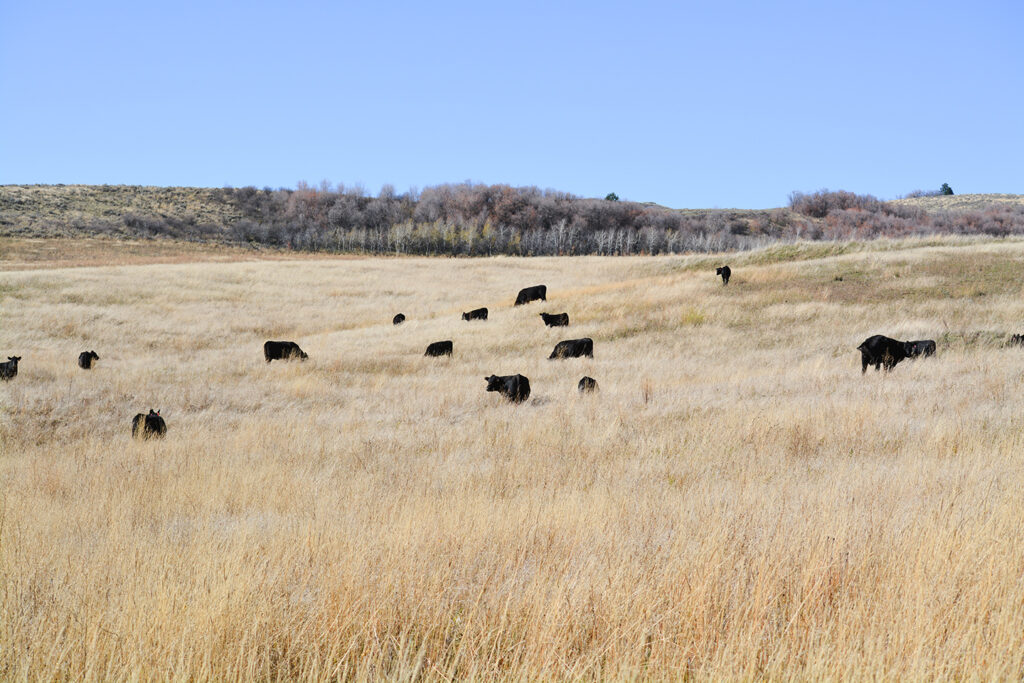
{"x": 737, "y": 501}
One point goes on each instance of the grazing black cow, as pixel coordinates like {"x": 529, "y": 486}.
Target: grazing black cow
{"x": 1017, "y": 339}
{"x": 882, "y": 351}
{"x": 922, "y": 347}
{"x": 282, "y": 350}
{"x": 540, "y": 292}
{"x": 515, "y": 388}
{"x": 587, "y": 385}
{"x": 555, "y": 319}
{"x": 85, "y": 359}
{"x": 725, "y": 272}
{"x": 573, "y": 348}
{"x": 441, "y": 348}
{"x": 9, "y": 370}
{"x": 475, "y": 314}
{"x": 398, "y": 319}
{"x": 150, "y": 426}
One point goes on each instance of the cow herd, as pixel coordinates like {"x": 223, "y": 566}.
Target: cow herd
{"x": 878, "y": 350}
{"x": 516, "y": 388}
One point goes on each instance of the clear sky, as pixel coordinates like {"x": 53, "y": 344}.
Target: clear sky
{"x": 688, "y": 104}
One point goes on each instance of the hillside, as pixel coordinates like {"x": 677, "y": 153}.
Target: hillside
{"x": 66, "y": 210}
{"x": 736, "y": 502}
{"x": 963, "y": 202}
{"x": 479, "y": 220}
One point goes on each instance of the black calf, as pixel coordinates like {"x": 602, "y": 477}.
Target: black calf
{"x": 441, "y": 348}
{"x": 150, "y": 426}
{"x": 515, "y": 388}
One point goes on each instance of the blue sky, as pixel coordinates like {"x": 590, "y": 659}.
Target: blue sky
{"x": 688, "y": 104}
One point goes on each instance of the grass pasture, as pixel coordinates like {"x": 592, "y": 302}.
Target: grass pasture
{"x": 737, "y": 501}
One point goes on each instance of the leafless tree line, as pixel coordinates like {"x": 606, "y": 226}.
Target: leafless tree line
{"x": 478, "y": 220}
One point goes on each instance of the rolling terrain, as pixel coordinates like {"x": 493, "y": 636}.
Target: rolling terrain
{"x": 737, "y": 500}
{"x": 478, "y": 220}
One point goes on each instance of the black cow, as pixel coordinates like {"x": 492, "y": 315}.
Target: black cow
{"x": 85, "y": 359}
{"x": 540, "y": 292}
{"x": 9, "y": 370}
{"x": 573, "y": 348}
{"x": 515, "y": 388}
{"x": 882, "y": 351}
{"x": 555, "y": 319}
{"x": 398, "y": 319}
{"x": 441, "y": 348}
{"x": 150, "y": 426}
{"x": 475, "y": 314}
{"x": 282, "y": 350}
{"x": 587, "y": 385}
{"x": 725, "y": 272}
{"x": 922, "y": 347}
{"x": 1017, "y": 339}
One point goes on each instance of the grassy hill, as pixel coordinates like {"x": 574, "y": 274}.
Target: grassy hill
{"x": 478, "y": 220}
{"x": 65, "y": 210}
{"x": 737, "y": 501}
{"x": 963, "y": 202}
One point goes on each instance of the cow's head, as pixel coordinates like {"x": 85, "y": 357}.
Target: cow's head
{"x": 93, "y": 355}
{"x": 494, "y": 383}
{"x": 465, "y": 316}
{"x": 14, "y": 359}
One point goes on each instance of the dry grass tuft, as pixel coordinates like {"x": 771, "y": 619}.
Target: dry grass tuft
{"x": 737, "y": 501}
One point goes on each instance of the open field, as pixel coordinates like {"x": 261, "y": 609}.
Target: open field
{"x": 737, "y": 501}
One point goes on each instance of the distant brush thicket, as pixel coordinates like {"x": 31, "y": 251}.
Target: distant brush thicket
{"x": 478, "y": 220}
{"x": 471, "y": 219}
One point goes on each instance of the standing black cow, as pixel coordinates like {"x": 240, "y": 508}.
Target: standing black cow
{"x": 282, "y": 350}
{"x": 555, "y": 319}
{"x": 882, "y": 351}
{"x": 9, "y": 370}
{"x": 441, "y": 348}
{"x": 539, "y": 292}
{"x": 475, "y": 314}
{"x": 398, "y": 319}
{"x": 573, "y": 348}
{"x": 86, "y": 358}
{"x": 587, "y": 385}
{"x": 515, "y": 388}
{"x": 725, "y": 272}
{"x": 922, "y": 347}
{"x": 150, "y": 426}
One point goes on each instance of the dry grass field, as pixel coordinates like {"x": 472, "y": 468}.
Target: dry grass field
{"x": 736, "y": 502}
